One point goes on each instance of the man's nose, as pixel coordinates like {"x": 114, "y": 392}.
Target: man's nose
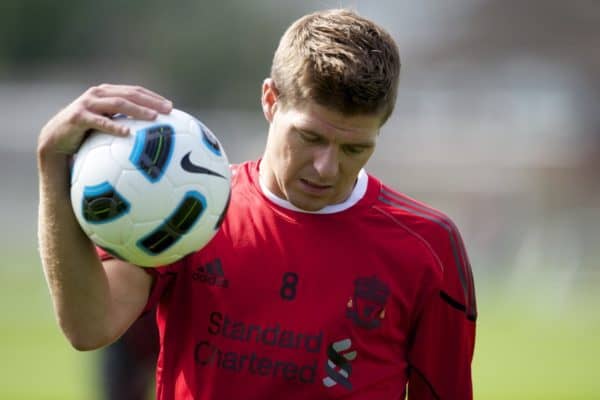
{"x": 326, "y": 161}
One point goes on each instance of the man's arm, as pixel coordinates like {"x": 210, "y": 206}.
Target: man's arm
{"x": 441, "y": 354}
{"x": 94, "y": 302}
{"x": 443, "y": 341}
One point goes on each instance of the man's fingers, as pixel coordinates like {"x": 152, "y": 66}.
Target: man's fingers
{"x": 104, "y": 124}
{"x": 94, "y": 108}
{"x": 136, "y": 94}
{"x": 159, "y": 104}
{"x": 120, "y": 105}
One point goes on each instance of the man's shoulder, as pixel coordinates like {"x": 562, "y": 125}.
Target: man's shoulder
{"x": 241, "y": 167}
{"x": 242, "y": 174}
{"x": 431, "y": 225}
{"x": 414, "y": 214}
{"x": 442, "y": 236}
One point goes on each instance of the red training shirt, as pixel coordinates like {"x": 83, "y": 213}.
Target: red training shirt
{"x": 283, "y": 304}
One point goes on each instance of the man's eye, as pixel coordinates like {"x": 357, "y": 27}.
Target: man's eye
{"x": 354, "y": 149}
{"x": 307, "y": 137}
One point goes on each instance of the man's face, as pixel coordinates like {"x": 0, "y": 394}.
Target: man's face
{"x": 313, "y": 154}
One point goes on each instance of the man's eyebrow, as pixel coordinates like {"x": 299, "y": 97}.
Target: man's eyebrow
{"x": 309, "y": 131}
{"x": 362, "y": 144}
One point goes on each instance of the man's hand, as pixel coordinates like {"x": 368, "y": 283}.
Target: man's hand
{"x": 64, "y": 133}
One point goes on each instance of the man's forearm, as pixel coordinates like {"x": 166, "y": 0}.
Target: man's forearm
{"x": 75, "y": 276}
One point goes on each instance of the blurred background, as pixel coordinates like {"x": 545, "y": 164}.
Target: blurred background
{"x": 497, "y": 123}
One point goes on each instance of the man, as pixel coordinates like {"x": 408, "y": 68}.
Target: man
{"x": 333, "y": 284}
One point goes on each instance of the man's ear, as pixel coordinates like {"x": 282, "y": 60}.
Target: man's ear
{"x": 269, "y": 99}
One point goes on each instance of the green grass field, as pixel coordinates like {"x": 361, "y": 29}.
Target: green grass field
{"x": 521, "y": 353}
{"x": 38, "y": 362}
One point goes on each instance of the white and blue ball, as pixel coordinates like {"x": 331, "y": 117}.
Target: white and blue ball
{"x": 154, "y": 196}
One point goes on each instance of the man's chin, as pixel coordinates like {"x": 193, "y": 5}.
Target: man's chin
{"x": 310, "y": 205}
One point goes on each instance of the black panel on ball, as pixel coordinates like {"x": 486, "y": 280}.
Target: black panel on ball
{"x": 102, "y": 203}
{"x": 189, "y": 210}
{"x": 152, "y": 151}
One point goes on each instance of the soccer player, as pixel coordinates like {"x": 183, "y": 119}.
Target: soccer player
{"x": 322, "y": 281}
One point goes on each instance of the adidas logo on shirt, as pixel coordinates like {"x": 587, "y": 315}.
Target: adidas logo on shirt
{"x": 211, "y": 274}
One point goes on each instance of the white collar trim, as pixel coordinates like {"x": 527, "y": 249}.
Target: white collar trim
{"x": 357, "y": 193}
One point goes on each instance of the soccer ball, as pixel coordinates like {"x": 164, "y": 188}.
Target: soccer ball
{"x": 154, "y": 196}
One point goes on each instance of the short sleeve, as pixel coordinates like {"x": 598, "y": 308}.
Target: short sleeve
{"x": 161, "y": 278}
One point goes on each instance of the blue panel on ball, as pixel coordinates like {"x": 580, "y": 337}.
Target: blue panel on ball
{"x": 152, "y": 150}
{"x": 184, "y": 217}
{"x": 102, "y": 203}
{"x": 209, "y": 140}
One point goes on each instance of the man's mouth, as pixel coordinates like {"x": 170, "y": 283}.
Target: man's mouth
{"x": 314, "y": 187}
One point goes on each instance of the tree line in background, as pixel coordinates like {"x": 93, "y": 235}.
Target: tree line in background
{"x": 211, "y": 54}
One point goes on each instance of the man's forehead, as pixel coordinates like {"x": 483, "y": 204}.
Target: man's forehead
{"x": 322, "y": 121}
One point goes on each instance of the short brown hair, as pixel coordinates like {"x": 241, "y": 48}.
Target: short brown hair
{"x": 339, "y": 60}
